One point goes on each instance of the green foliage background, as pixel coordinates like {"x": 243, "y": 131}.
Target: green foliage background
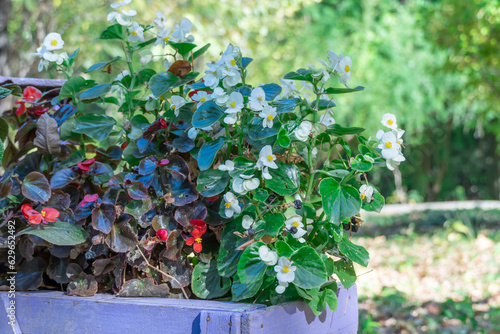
{"x": 434, "y": 64}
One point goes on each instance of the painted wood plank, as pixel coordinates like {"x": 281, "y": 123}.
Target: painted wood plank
{"x": 297, "y": 318}
{"x": 36, "y": 82}
{"x": 50, "y": 312}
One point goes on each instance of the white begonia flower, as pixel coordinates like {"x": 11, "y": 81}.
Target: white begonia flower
{"x": 266, "y": 158}
{"x": 287, "y": 88}
{"x": 234, "y": 103}
{"x": 230, "y": 119}
{"x": 389, "y": 145}
{"x": 45, "y": 56}
{"x": 296, "y": 221}
{"x": 344, "y": 67}
{"x": 212, "y": 75}
{"x": 268, "y": 114}
{"x": 146, "y": 56}
{"x": 243, "y": 184}
{"x": 162, "y": 37}
{"x": 227, "y": 166}
{"x": 285, "y": 270}
{"x": 303, "y": 131}
{"x": 392, "y": 163}
{"x": 122, "y": 17}
{"x": 220, "y": 96}
{"x": 201, "y": 96}
{"x": 61, "y": 57}
{"x": 366, "y": 191}
{"x": 53, "y": 41}
{"x": 247, "y": 222}
{"x": 399, "y": 136}
{"x": 160, "y": 20}
{"x": 280, "y": 288}
{"x": 136, "y": 33}
{"x": 192, "y": 133}
{"x": 268, "y": 256}
{"x": 325, "y": 77}
{"x": 181, "y": 32}
{"x": 326, "y": 120}
{"x": 389, "y": 120}
{"x": 231, "y": 76}
{"x": 122, "y": 74}
{"x": 231, "y": 206}
{"x": 265, "y": 173}
{"x": 257, "y": 100}
{"x": 177, "y": 103}
{"x": 334, "y": 60}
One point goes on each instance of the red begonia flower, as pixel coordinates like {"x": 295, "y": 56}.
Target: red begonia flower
{"x": 85, "y": 166}
{"x": 196, "y": 240}
{"x": 24, "y": 208}
{"x": 89, "y": 199}
{"x": 162, "y": 234}
{"x": 50, "y": 215}
{"x": 163, "y": 162}
{"x": 199, "y": 225}
{"x": 34, "y": 217}
{"x": 30, "y": 95}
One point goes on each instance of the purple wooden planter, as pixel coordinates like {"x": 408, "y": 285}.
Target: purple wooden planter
{"x": 51, "y": 312}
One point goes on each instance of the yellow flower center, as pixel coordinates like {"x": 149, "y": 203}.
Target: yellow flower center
{"x": 173, "y": 106}
{"x": 227, "y": 205}
{"x": 233, "y": 104}
{"x": 388, "y": 144}
{"x": 198, "y": 240}
{"x": 202, "y": 99}
{"x": 347, "y": 68}
{"x": 270, "y": 117}
{"x": 270, "y": 158}
{"x": 233, "y": 62}
{"x": 53, "y": 42}
{"x": 390, "y": 122}
{"x": 296, "y": 224}
{"x": 260, "y": 98}
{"x": 286, "y": 269}
{"x": 166, "y": 39}
{"x": 399, "y": 143}
{"x": 362, "y": 196}
{"x": 134, "y": 33}
{"x": 43, "y": 213}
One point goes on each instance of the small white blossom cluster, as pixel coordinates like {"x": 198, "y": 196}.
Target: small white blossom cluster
{"x": 225, "y": 70}
{"x": 391, "y": 142}
{"x": 46, "y": 52}
{"x": 285, "y": 271}
{"x": 340, "y": 65}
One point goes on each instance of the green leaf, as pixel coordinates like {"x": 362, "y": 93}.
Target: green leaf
{"x": 271, "y": 225}
{"x": 206, "y": 154}
{"x": 330, "y": 298}
{"x": 36, "y": 187}
{"x": 343, "y": 90}
{"x": 163, "y": 82}
{"x": 311, "y": 271}
{"x": 360, "y": 163}
{"x": 101, "y": 65}
{"x": 199, "y": 52}
{"x": 95, "y": 126}
{"x": 339, "y": 130}
{"x": 58, "y": 233}
{"x": 354, "y": 252}
{"x": 4, "y": 129}
{"x": 285, "y": 179}
{"x": 212, "y": 182}
{"x": 283, "y": 138}
{"x": 376, "y": 204}
{"x": 95, "y": 92}
{"x": 283, "y": 249}
{"x": 339, "y": 201}
{"x": 1, "y": 150}
{"x": 74, "y": 86}
{"x": 207, "y": 114}
{"x": 261, "y": 195}
{"x": 183, "y": 48}
{"x": 241, "y": 291}
{"x": 227, "y": 262}
{"x": 206, "y": 282}
{"x": 112, "y": 32}
{"x": 345, "y": 272}
{"x": 251, "y": 268}
{"x": 4, "y": 92}
{"x": 301, "y": 75}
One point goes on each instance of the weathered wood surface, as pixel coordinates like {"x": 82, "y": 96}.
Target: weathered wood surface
{"x": 45, "y": 312}
{"x": 401, "y": 209}
{"x": 39, "y": 83}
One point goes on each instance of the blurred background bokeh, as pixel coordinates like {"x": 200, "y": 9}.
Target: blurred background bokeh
{"x": 433, "y": 63}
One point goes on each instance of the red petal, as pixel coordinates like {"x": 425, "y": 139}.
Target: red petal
{"x": 197, "y": 247}
{"x": 163, "y": 162}
{"x": 34, "y": 217}
{"x": 88, "y": 162}
{"x": 124, "y": 145}
{"x": 20, "y": 110}
{"x": 163, "y": 123}
{"x": 24, "y": 208}
{"x": 190, "y": 241}
{"x": 31, "y": 94}
{"x": 199, "y": 225}
{"x": 50, "y": 214}
{"x": 91, "y": 198}
{"x": 83, "y": 167}
{"x": 212, "y": 198}
{"x": 162, "y": 234}
{"x": 191, "y": 93}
